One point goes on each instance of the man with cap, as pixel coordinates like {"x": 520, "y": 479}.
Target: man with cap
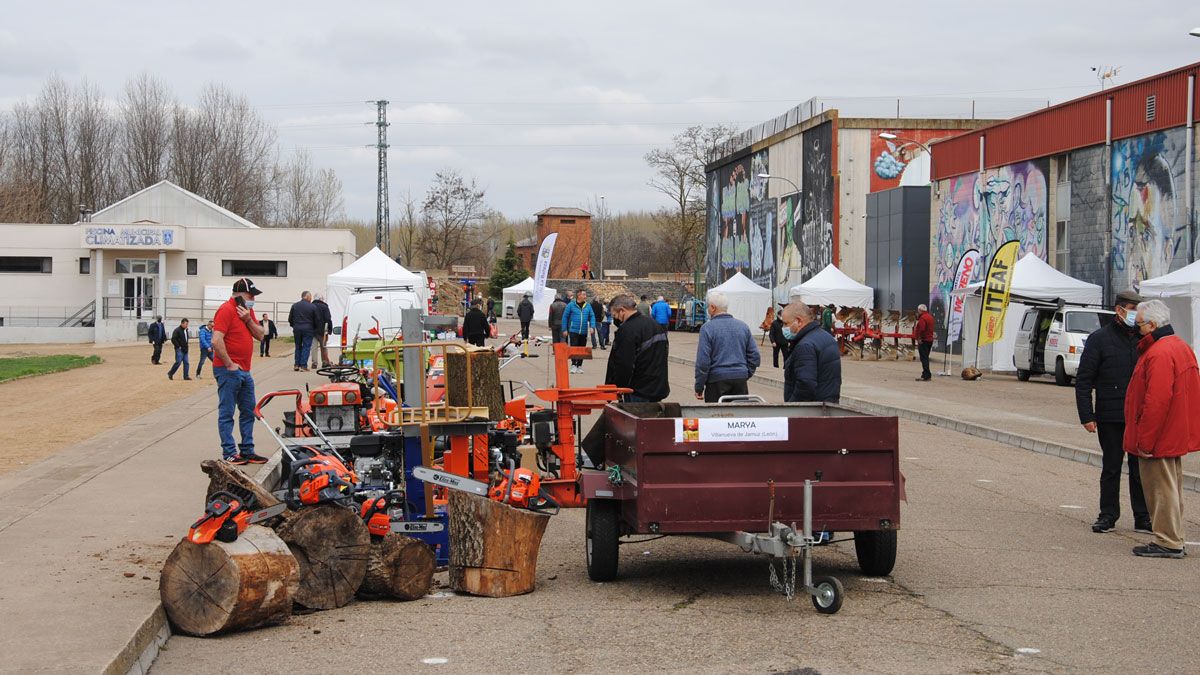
{"x": 525, "y": 314}
{"x": 235, "y": 328}
{"x": 1107, "y": 363}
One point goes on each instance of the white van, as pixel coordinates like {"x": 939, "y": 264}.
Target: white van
{"x": 379, "y": 308}
{"x": 1051, "y": 340}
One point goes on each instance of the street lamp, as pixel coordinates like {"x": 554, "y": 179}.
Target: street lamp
{"x": 1195, "y": 32}
{"x": 887, "y": 136}
{"x": 602, "y": 223}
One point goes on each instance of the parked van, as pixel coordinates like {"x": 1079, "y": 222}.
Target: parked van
{"x": 378, "y": 308}
{"x": 1051, "y": 340}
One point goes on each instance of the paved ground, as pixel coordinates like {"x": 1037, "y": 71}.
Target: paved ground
{"x": 998, "y": 571}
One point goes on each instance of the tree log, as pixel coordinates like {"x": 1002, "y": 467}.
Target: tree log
{"x": 483, "y": 389}
{"x": 219, "y": 587}
{"x": 332, "y": 545}
{"x": 222, "y": 476}
{"x": 400, "y": 567}
{"x": 493, "y": 546}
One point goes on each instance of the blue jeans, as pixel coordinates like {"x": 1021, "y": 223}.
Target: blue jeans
{"x": 180, "y": 357}
{"x": 604, "y": 333}
{"x": 304, "y": 340}
{"x": 205, "y": 355}
{"x": 235, "y": 388}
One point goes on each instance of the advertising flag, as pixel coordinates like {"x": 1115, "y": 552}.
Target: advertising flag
{"x": 968, "y": 264}
{"x": 996, "y": 287}
{"x": 542, "y": 269}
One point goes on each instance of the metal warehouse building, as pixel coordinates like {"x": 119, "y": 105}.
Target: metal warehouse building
{"x": 1102, "y": 187}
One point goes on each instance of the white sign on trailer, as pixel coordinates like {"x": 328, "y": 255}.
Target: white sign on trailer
{"x": 739, "y": 429}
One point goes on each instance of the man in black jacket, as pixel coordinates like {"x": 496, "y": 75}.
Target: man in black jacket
{"x": 778, "y": 344}
{"x": 157, "y": 334}
{"x": 639, "y": 353}
{"x": 556, "y": 313}
{"x": 475, "y": 324}
{"x": 598, "y": 311}
{"x": 179, "y": 340}
{"x": 813, "y": 371}
{"x": 525, "y": 314}
{"x": 321, "y": 333}
{"x": 302, "y": 317}
{"x": 1105, "y": 367}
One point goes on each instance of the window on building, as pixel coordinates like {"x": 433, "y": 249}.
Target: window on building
{"x": 1063, "y": 163}
{"x": 1062, "y": 242}
{"x": 254, "y": 268}
{"x": 85, "y": 265}
{"x": 137, "y": 266}
{"x": 17, "y": 264}
{"x": 192, "y": 267}
{"x": 567, "y": 221}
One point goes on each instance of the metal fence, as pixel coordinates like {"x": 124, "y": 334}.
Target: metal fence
{"x": 195, "y": 310}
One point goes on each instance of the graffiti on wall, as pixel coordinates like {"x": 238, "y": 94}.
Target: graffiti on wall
{"x": 741, "y": 222}
{"x": 984, "y": 210}
{"x": 899, "y": 161}
{"x": 1149, "y": 226}
{"x": 813, "y": 235}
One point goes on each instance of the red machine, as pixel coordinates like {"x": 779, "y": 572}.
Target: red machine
{"x": 226, "y": 516}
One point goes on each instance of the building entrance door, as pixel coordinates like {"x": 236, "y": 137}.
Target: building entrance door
{"x": 137, "y": 297}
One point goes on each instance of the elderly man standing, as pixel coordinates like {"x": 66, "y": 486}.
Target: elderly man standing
{"x": 727, "y": 355}
{"x": 925, "y": 336}
{"x": 1161, "y": 425}
{"x": 813, "y": 371}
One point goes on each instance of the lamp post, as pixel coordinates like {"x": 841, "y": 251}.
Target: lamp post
{"x": 603, "y": 220}
{"x": 774, "y": 270}
{"x": 1195, "y": 32}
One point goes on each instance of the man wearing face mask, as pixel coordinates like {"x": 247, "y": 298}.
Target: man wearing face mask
{"x": 639, "y": 353}
{"x": 1107, "y": 363}
{"x": 813, "y": 371}
{"x": 235, "y": 328}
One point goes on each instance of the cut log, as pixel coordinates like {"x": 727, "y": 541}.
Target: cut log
{"x": 493, "y": 546}
{"x": 220, "y": 587}
{"x": 222, "y": 476}
{"x": 331, "y": 544}
{"x": 483, "y": 390}
{"x": 400, "y": 567}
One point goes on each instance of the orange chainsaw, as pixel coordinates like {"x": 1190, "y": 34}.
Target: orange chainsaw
{"x": 225, "y": 517}
{"x": 517, "y": 487}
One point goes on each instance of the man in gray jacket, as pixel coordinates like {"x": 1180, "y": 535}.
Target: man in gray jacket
{"x": 727, "y": 356}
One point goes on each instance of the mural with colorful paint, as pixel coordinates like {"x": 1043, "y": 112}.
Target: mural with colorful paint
{"x": 741, "y": 222}
{"x": 813, "y": 237}
{"x": 1149, "y": 225}
{"x": 984, "y": 210}
{"x": 899, "y": 161}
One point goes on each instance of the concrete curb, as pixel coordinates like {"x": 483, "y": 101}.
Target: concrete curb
{"x": 1191, "y": 481}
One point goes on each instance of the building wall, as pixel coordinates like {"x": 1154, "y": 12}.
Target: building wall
{"x": 573, "y": 247}
{"x": 1089, "y": 226}
{"x": 855, "y": 180}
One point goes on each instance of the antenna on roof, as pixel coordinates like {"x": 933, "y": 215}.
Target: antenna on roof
{"x": 1106, "y": 74}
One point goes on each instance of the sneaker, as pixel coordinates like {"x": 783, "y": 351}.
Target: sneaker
{"x": 1143, "y": 526}
{"x": 188, "y": 379}
{"x": 238, "y": 459}
{"x": 1103, "y": 524}
{"x": 253, "y": 459}
{"x": 1153, "y": 550}
{"x": 170, "y": 376}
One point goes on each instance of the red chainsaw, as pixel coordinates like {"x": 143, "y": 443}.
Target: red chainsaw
{"x": 226, "y": 516}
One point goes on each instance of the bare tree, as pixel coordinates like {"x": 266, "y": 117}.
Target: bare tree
{"x": 305, "y": 196}
{"x": 406, "y": 231}
{"x": 146, "y": 116}
{"x": 454, "y": 209}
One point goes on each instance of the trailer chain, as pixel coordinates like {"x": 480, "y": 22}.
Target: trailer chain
{"x": 614, "y": 475}
{"x": 786, "y": 585}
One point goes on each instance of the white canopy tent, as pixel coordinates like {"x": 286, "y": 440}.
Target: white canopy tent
{"x": 374, "y": 268}
{"x": 513, "y": 294}
{"x": 1180, "y": 290}
{"x": 1033, "y": 279}
{"x": 831, "y": 285}
{"x": 747, "y": 300}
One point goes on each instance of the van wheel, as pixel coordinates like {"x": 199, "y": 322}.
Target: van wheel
{"x": 1022, "y": 375}
{"x": 1060, "y": 374}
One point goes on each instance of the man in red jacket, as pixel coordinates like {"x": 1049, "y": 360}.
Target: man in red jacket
{"x": 925, "y": 337}
{"x": 1161, "y": 424}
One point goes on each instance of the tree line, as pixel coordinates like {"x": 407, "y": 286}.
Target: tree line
{"x": 71, "y": 146}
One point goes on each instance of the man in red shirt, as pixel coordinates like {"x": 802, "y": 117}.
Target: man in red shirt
{"x": 925, "y": 338}
{"x": 235, "y": 328}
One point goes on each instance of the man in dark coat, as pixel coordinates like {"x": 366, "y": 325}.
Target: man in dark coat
{"x": 324, "y": 328}
{"x": 179, "y": 340}
{"x": 157, "y": 335}
{"x": 598, "y": 312}
{"x": 475, "y": 324}
{"x": 1107, "y": 363}
{"x": 525, "y": 314}
{"x": 639, "y": 353}
{"x": 778, "y": 344}
{"x": 556, "y": 313}
{"x": 813, "y": 371}
{"x": 302, "y": 317}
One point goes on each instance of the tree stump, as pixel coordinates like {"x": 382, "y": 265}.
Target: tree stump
{"x": 220, "y": 587}
{"x": 331, "y": 544}
{"x": 222, "y": 476}
{"x": 400, "y": 567}
{"x": 483, "y": 389}
{"x": 493, "y": 546}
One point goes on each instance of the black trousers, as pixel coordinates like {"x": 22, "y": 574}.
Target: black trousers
{"x": 924, "y": 349}
{"x": 715, "y": 390}
{"x": 264, "y": 347}
{"x": 476, "y": 340}
{"x": 577, "y": 340}
{"x": 157, "y": 355}
{"x": 556, "y": 334}
{"x": 1111, "y": 442}
{"x": 524, "y": 330}
{"x": 775, "y": 351}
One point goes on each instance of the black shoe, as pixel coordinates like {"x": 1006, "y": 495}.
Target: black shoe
{"x": 253, "y": 459}
{"x": 1103, "y": 524}
{"x": 187, "y": 379}
{"x": 170, "y": 376}
{"x": 1153, "y": 550}
{"x": 239, "y": 460}
{"x": 1143, "y": 526}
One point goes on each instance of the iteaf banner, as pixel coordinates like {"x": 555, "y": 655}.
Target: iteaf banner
{"x": 996, "y": 287}
{"x": 967, "y": 266}
{"x": 542, "y": 270}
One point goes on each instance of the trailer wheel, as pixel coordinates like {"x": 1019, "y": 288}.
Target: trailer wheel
{"x": 827, "y": 595}
{"x": 876, "y": 551}
{"x": 1060, "y": 374}
{"x": 1022, "y": 375}
{"x": 603, "y": 535}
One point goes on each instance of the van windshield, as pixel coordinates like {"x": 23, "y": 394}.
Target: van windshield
{"x": 1083, "y": 322}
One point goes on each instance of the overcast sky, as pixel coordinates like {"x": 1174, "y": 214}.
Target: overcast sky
{"x": 555, "y": 103}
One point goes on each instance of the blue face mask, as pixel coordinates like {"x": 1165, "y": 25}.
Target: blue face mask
{"x": 788, "y": 334}
{"x": 1130, "y": 319}
{"x": 249, "y": 304}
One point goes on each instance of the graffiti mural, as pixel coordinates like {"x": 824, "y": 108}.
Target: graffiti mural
{"x": 789, "y": 256}
{"x": 813, "y": 235}
{"x": 1149, "y": 223}
{"x": 984, "y": 210}
{"x": 898, "y": 161}
{"x": 741, "y": 222}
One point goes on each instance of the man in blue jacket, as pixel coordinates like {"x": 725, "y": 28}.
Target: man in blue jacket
{"x": 578, "y": 320}
{"x": 660, "y": 311}
{"x": 727, "y": 355}
{"x": 205, "y": 346}
{"x": 813, "y": 371}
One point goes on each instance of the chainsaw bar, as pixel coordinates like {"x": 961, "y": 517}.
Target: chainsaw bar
{"x": 269, "y": 512}
{"x": 411, "y": 526}
{"x": 449, "y": 480}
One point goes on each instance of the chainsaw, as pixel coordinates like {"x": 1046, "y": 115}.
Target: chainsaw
{"x": 225, "y": 517}
{"x": 376, "y": 512}
{"x": 518, "y": 487}
{"x": 319, "y": 479}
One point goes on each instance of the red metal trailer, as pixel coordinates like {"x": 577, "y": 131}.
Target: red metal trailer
{"x": 744, "y": 472}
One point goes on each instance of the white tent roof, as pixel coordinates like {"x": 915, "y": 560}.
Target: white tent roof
{"x": 1033, "y": 278}
{"x": 1183, "y": 281}
{"x": 374, "y": 268}
{"x": 526, "y": 285}
{"x": 747, "y": 300}
{"x": 512, "y": 297}
{"x": 831, "y": 285}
